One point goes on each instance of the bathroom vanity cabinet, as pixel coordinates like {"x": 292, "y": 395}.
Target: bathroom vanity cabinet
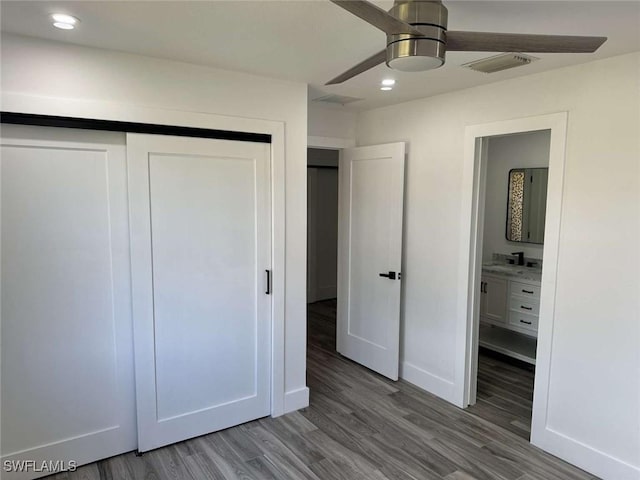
{"x": 524, "y": 307}
{"x": 509, "y": 309}
{"x": 493, "y": 300}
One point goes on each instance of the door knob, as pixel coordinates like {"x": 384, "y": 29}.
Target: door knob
{"x": 390, "y": 275}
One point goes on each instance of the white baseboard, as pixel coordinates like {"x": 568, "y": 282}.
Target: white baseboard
{"x": 296, "y": 399}
{"x": 581, "y": 455}
{"x": 440, "y": 387}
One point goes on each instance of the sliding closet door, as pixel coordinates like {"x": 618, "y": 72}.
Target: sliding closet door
{"x": 67, "y": 353}
{"x": 200, "y": 213}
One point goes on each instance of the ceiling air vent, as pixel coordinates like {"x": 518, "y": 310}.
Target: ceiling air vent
{"x": 500, "y": 62}
{"x": 338, "y": 99}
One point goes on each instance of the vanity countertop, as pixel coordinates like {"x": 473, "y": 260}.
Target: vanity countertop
{"x": 513, "y": 272}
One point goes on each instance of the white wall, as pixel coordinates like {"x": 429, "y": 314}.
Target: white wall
{"x": 37, "y": 68}
{"x": 594, "y": 392}
{"x": 331, "y": 126}
{"x": 527, "y": 150}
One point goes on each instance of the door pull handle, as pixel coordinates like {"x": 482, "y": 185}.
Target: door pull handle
{"x": 268, "y": 291}
{"x": 390, "y": 275}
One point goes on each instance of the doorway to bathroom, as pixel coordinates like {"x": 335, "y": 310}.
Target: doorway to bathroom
{"x": 513, "y": 177}
{"x": 516, "y": 179}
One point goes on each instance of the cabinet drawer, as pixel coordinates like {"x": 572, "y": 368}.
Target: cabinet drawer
{"x": 523, "y": 320}
{"x": 525, "y": 290}
{"x": 524, "y": 305}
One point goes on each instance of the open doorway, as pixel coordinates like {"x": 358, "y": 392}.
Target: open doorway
{"x": 363, "y": 256}
{"x": 511, "y": 229}
{"x": 322, "y": 247}
{"x": 477, "y": 141}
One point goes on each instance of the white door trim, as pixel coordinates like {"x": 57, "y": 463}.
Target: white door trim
{"x": 16, "y": 102}
{"x": 542, "y": 434}
{"x": 330, "y": 143}
{"x": 471, "y": 245}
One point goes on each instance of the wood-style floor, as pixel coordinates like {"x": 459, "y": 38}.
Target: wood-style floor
{"x": 505, "y": 393}
{"x": 361, "y": 426}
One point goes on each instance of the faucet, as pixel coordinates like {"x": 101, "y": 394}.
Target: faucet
{"x": 520, "y": 257}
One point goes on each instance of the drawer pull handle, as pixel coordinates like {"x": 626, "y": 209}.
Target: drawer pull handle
{"x": 522, "y": 321}
{"x": 528, "y": 291}
{"x": 525, "y": 308}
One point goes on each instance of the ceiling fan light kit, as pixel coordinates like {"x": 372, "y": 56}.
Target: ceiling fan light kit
{"x": 417, "y": 37}
{"x": 409, "y": 53}
{"x": 415, "y": 54}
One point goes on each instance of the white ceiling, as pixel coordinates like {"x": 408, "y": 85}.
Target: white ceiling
{"x": 312, "y": 41}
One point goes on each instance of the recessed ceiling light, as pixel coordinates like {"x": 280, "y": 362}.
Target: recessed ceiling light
{"x": 63, "y": 26}
{"x": 64, "y": 21}
{"x": 386, "y": 89}
{"x": 387, "y": 82}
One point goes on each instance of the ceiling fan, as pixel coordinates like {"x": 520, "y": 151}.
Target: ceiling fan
{"x": 417, "y": 37}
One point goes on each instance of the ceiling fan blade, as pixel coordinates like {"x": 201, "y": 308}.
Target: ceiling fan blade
{"x": 377, "y": 17}
{"x": 363, "y": 66}
{"x": 518, "y": 42}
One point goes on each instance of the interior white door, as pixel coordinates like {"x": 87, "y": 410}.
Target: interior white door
{"x": 201, "y": 246}
{"x": 369, "y": 255}
{"x": 67, "y": 351}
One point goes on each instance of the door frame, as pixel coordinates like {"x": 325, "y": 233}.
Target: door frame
{"x": 470, "y": 266}
{"x": 330, "y": 143}
{"x": 321, "y": 143}
{"x": 100, "y": 110}
{"x": 312, "y": 286}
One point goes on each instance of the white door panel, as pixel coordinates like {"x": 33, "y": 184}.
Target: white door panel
{"x": 371, "y": 209}
{"x": 202, "y": 319}
{"x": 67, "y": 357}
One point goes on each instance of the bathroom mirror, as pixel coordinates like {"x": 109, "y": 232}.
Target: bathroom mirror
{"x": 527, "y": 204}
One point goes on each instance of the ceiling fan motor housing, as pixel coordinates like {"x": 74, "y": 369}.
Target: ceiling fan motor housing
{"x": 410, "y": 53}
